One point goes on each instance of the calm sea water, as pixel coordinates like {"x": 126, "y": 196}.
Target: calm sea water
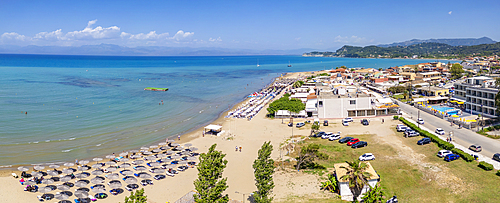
{"x": 86, "y": 106}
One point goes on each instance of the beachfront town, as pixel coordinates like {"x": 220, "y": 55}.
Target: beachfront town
{"x": 331, "y": 124}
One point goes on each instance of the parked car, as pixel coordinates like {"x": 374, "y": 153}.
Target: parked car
{"x": 359, "y": 144}
{"x": 420, "y": 121}
{"x": 319, "y": 134}
{"x": 290, "y": 124}
{"x": 451, "y": 157}
{"x": 334, "y": 136}
{"x": 299, "y": 125}
{"x": 475, "y": 148}
{"x": 345, "y": 123}
{"x": 424, "y": 140}
{"x": 348, "y": 119}
{"x": 365, "y": 122}
{"x": 325, "y": 123}
{"x": 352, "y": 141}
{"x": 345, "y": 139}
{"x": 366, "y": 157}
{"x": 326, "y": 135}
{"x": 439, "y": 131}
{"x": 401, "y": 128}
{"x": 443, "y": 153}
{"x": 413, "y": 134}
{"x": 496, "y": 157}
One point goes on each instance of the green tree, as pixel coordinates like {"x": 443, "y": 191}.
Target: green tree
{"x": 357, "y": 177}
{"x": 263, "y": 170}
{"x": 375, "y": 195}
{"x": 138, "y": 197}
{"x": 298, "y": 84}
{"x": 210, "y": 185}
{"x": 314, "y": 127}
{"x": 307, "y": 155}
{"x": 285, "y": 103}
{"x": 331, "y": 184}
{"x": 456, "y": 71}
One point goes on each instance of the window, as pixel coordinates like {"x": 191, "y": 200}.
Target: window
{"x": 352, "y": 102}
{"x": 320, "y": 103}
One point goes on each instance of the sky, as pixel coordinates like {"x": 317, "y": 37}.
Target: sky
{"x": 256, "y": 25}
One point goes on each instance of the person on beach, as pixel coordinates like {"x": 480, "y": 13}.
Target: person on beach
{"x": 76, "y": 161}
{"x": 236, "y": 148}
{"x": 240, "y": 148}
{"x": 179, "y": 137}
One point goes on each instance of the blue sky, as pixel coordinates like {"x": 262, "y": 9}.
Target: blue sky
{"x": 255, "y": 25}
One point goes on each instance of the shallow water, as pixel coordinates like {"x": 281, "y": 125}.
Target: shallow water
{"x": 85, "y": 106}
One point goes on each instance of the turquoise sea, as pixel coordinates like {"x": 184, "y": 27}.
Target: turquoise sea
{"x": 87, "y": 106}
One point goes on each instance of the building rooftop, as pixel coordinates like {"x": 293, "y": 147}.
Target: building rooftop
{"x": 432, "y": 88}
{"x": 341, "y": 171}
{"x": 330, "y": 95}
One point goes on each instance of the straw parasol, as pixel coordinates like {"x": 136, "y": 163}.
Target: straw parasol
{"x": 63, "y": 187}
{"x": 161, "y": 155}
{"x": 36, "y": 174}
{"x": 110, "y": 163}
{"x": 81, "y": 194}
{"x": 153, "y": 164}
{"x": 67, "y": 171}
{"x": 147, "y": 153}
{"x": 111, "y": 169}
{"x": 123, "y": 154}
{"x": 23, "y": 168}
{"x": 144, "y": 175}
{"x": 97, "y": 172}
{"x": 140, "y": 168}
{"x": 130, "y": 180}
{"x": 138, "y": 162}
{"x": 45, "y": 189}
{"x": 115, "y": 184}
{"x": 98, "y": 190}
{"x": 149, "y": 158}
{"x": 135, "y": 156}
{"x": 170, "y": 140}
{"x": 158, "y": 170}
{"x": 144, "y": 148}
{"x": 188, "y": 145}
{"x": 134, "y": 151}
{"x": 162, "y": 143}
{"x": 113, "y": 176}
{"x": 124, "y": 159}
{"x": 61, "y": 196}
{"x": 65, "y": 179}
{"x": 38, "y": 167}
{"x": 84, "y": 162}
{"x": 54, "y": 166}
{"x": 127, "y": 172}
{"x": 153, "y": 146}
{"x": 83, "y": 168}
{"x": 81, "y": 183}
{"x": 97, "y": 180}
{"x": 97, "y": 166}
{"x": 156, "y": 150}
{"x": 82, "y": 175}
{"x": 47, "y": 181}
{"x": 124, "y": 165}
{"x": 68, "y": 164}
{"x": 110, "y": 156}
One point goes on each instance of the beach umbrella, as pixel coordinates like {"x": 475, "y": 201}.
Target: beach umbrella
{"x": 170, "y": 140}
{"x": 147, "y": 153}
{"x": 68, "y": 164}
{"x": 83, "y": 168}
{"x": 45, "y": 189}
{"x": 115, "y": 184}
{"x": 127, "y": 172}
{"x": 81, "y": 194}
{"x": 162, "y": 143}
{"x": 124, "y": 165}
{"x": 110, "y": 163}
{"x": 156, "y": 150}
{"x": 29, "y": 182}
{"x": 23, "y": 168}
{"x": 97, "y": 172}
{"x": 135, "y": 156}
{"x": 97, "y": 180}
{"x": 54, "y": 166}
{"x": 161, "y": 155}
{"x": 98, "y": 190}
{"x": 153, "y": 146}
{"x": 149, "y": 158}
{"x": 110, "y": 156}
{"x": 130, "y": 180}
{"x": 185, "y": 153}
{"x": 97, "y": 166}
{"x": 144, "y": 148}
{"x": 175, "y": 144}
{"x": 191, "y": 158}
{"x": 38, "y": 167}
{"x": 164, "y": 160}
{"x": 84, "y": 162}
{"x": 123, "y": 154}
{"x": 52, "y": 173}
{"x": 61, "y": 196}
{"x": 81, "y": 183}
{"x": 83, "y": 189}
{"x": 63, "y": 187}
{"x": 98, "y": 186}
{"x": 124, "y": 160}
{"x": 144, "y": 175}
{"x": 47, "y": 181}
{"x": 140, "y": 168}
{"x": 175, "y": 156}
{"x": 112, "y": 176}
{"x": 153, "y": 164}
{"x": 163, "y": 148}
{"x": 36, "y": 174}
{"x": 169, "y": 152}
{"x": 111, "y": 169}
{"x": 183, "y": 162}
{"x": 158, "y": 170}
{"x": 82, "y": 175}
{"x": 134, "y": 151}
{"x": 65, "y": 179}
{"x": 136, "y": 162}
{"x": 67, "y": 171}
{"x": 97, "y": 159}
{"x": 193, "y": 148}
{"x": 188, "y": 145}
{"x": 167, "y": 166}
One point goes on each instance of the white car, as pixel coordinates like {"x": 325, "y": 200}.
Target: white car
{"x": 443, "y": 153}
{"x": 345, "y": 123}
{"x": 401, "y": 128}
{"x": 335, "y": 136}
{"x": 348, "y": 119}
{"x": 439, "y": 131}
{"x": 367, "y": 157}
{"x": 326, "y": 135}
{"x": 420, "y": 121}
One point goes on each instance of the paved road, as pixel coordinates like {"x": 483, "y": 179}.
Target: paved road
{"x": 462, "y": 136}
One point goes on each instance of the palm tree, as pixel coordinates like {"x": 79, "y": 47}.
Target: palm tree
{"x": 357, "y": 176}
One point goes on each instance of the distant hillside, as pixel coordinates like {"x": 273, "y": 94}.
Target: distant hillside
{"x": 452, "y": 42}
{"x": 423, "y": 50}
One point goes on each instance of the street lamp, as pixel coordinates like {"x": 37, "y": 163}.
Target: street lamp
{"x": 418, "y": 120}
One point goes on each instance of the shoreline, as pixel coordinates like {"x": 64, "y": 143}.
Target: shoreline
{"x": 6, "y": 170}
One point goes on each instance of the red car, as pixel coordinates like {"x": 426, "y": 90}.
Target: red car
{"x": 352, "y": 141}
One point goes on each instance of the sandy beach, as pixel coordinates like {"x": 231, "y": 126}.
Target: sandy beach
{"x": 250, "y": 135}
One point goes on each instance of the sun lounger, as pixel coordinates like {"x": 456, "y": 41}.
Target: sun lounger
{"x": 15, "y": 175}
{"x": 40, "y": 198}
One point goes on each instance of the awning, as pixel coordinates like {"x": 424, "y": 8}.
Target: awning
{"x": 216, "y": 128}
{"x": 437, "y": 98}
{"x": 419, "y": 99}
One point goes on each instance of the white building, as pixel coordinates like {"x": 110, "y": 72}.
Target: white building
{"x": 479, "y": 95}
{"x": 345, "y": 191}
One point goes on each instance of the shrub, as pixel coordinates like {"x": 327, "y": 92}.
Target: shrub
{"x": 490, "y": 128}
{"x": 465, "y": 156}
{"x": 485, "y": 166}
{"x": 395, "y": 117}
{"x": 441, "y": 143}
{"x": 498, "y": 173}
{"x": 497, "y": 127}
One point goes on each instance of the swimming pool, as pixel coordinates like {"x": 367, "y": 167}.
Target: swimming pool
{"x": 441, "y": 108}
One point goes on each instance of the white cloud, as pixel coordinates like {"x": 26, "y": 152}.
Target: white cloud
{"x": 450, "y": 12}
{"x": 351, "y": 40}
{"x": 181, "y": 35}
{"x": 12, "y": 36}
{"x": 297, "y": 39}
{"x": 215, "y": 40}
{"x": 51, "y": 36}
{"x": 141, "y": 36}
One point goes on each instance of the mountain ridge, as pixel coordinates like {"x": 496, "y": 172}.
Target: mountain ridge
{"x": 451, "y": 42}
